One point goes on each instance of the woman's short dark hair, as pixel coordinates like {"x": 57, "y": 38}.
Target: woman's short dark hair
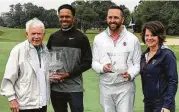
{"x": 157, "y": 29}
{"x": 67, "y": 6}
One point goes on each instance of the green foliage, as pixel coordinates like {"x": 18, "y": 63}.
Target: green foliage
{"x": 92, "y": 14}
{"x": 20, "y": 14}
{"x": 89, "y": 14}
{"x": 164, "y": 11}
{"x": 85, "y": 15}
{"x": 1, "y": 22}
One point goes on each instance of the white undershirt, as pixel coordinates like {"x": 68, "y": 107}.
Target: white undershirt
{"x": 147, "y": 57}
{"x": 42, "y": 83}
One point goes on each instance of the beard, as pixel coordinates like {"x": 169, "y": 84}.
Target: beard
{"x": 113, "y": 26}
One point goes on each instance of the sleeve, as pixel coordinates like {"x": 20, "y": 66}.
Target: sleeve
{"x": 96, "y": 65}
{"x": 86, "y": 58}
{"x": 134, "y": 69}
{"x": 10, "y": 76}
{"x": 172, "y": 76}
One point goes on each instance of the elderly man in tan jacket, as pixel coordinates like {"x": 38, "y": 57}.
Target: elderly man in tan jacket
{"x": 26, "y": 80}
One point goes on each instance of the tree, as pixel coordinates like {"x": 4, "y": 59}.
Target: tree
{"x": 164, "y": 11}
{"x": 92, "y": 14}
{"x": 89, "y": 14}
{"x": 1, "y": 22}
{"x": 127, "y": 15}
{"x": 50, "y": 18}
{"x": 11, "y": 10}
{"x": 20, "y": 14}
{"x": 32, "y": 11}
{"x": 101, "y": 7}
{"x": 85, "y": 15}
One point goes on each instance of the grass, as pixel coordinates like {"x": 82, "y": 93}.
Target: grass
{"x": 18, "y": 35}
{"x": 10, "y": 37}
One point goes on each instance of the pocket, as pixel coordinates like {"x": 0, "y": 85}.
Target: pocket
{"x": 23, "y": 91}
{"x": 151, "y": 87}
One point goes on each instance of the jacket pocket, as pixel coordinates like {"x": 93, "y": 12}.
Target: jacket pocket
{"x": 23, "y": 93}
{"x": 150, "y": 87}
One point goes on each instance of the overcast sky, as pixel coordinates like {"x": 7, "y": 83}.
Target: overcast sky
{"x": 54, "y": 4}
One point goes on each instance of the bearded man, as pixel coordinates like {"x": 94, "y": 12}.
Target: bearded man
{"x": 116, "y": 58}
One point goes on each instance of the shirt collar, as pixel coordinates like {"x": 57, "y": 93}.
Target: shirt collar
{"x": 41, "y": 47}
{"x": 67, "y": 28}
{"x": 121, "y": 34}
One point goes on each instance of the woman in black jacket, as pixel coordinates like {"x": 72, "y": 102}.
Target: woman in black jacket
{"x": 158, "y": 70}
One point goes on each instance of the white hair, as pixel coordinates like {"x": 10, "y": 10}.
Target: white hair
{"x": 34, "y": 23}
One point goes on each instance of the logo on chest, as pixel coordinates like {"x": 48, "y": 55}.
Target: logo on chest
{"x": 71, "y": 38}
{"x": 153, "y": 61}
{"x": 124, "y": 44}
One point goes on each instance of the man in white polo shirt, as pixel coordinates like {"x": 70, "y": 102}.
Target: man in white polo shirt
{"x": 116, "y": 58}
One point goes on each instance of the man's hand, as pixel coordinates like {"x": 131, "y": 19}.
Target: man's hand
{"x": 165, "y": 110}
{"x": 53, "y": 77}
{"x": 14, "y": 105}
{"x": 60, "y": 76}
{"x": 126, "y": 76}
{"x": 107, "y": 68}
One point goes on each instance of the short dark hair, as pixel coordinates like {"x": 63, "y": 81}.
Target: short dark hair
{"x": 117, "y": 7}
{"x": 157, "y": 29}
{"x": 67, "y": 6}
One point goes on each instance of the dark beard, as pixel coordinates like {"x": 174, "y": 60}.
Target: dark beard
{"x": 116, "y": 28}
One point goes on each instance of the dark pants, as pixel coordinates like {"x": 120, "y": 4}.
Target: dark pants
{"x": 153, "y": 107}
{"x": 60, "y": 100}
{"x": 43, "y": 109}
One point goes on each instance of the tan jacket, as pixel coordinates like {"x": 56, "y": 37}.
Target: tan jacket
{"x": 20, "y": 77}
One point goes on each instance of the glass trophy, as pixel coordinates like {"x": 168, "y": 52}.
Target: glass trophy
{"x": 56, "y": 64}
{"x": 117, "y": 67}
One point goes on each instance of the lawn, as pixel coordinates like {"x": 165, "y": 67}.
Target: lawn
{"x": 10, "y": 37}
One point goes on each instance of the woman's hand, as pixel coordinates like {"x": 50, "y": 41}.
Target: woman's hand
{"x": 165, "y": 110}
